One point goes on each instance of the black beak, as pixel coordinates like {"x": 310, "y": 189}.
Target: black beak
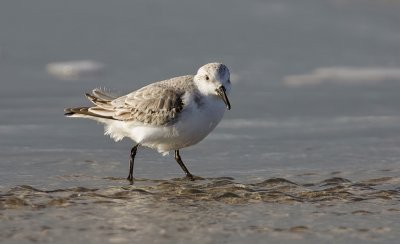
{"x": 222, "y": 93}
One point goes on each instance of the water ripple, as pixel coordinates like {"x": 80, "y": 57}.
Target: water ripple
{"x": 223, "y": 190}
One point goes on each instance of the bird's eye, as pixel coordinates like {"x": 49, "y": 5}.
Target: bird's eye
{"x": 207, "y": 78}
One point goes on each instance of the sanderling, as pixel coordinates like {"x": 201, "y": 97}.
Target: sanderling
{"x": 166, "y": 115}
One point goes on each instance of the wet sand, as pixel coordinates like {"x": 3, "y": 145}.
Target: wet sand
{"x": 224, "y": 209}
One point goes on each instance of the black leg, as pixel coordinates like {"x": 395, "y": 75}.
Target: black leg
{"x": 131, "y": 162}
{"x": 179, "y": 160}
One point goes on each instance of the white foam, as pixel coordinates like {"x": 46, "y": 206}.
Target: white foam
{"x": 355, "y": 121}
{"x": 72, "y": 70}
{"x": 345, "y": 75}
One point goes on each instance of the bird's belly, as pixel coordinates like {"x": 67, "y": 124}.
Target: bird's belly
{"x": 196, "y": 127}
{"x": 191, "y": 127}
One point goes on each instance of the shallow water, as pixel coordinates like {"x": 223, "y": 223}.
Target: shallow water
{"x": 309, "y": 152}
{"x": 215, "y": 209}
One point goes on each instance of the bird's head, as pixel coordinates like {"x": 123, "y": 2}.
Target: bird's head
{"x": 214, "y": 79}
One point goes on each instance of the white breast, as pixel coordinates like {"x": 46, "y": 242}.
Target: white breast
{"x": 196, "y": 123}
{"x": 193, "y": 125}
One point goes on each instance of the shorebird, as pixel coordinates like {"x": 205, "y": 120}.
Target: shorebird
{"x": 166, "y": 115}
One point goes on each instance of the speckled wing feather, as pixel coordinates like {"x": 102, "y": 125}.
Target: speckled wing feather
{"x": 156, "y": 104}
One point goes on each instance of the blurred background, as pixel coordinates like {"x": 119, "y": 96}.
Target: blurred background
{"x": 315, "y": 95}
{"x": 316, "y": 83}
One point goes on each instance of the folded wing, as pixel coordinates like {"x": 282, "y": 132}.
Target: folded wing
{"x": 155, "y": 104}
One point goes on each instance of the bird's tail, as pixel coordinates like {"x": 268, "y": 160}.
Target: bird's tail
{"x": 102, "y": 110}
{"x": 83, "y": 112}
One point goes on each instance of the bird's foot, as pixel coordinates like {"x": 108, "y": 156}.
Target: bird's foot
{"x": 190, "y": 177}
{"x": 193, "y": 177}
{"x": 130, "y": 179}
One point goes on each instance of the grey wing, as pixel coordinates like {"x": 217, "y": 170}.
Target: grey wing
{"x": 101, "y": 98}
{"x": 155, "y": 104}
